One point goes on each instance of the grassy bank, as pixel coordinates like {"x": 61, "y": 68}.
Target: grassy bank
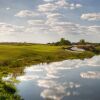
{"x": 21, "y": 55}
{"x": 13, "y": 58}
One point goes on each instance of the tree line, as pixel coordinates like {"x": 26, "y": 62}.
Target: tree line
{"x": 63, "y": 41}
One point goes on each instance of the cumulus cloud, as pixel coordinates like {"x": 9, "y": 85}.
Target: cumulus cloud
{"x": 6, "y": 28}
{"x": 53, "y": 20}
{"x": 63, "y": 27}
{"x": 26, "y": 13}
{"x": 60, "y": 4}
{"x": 91, "y": 16}
{"x": 65, "y": 4}
{"x": 54, "y": 15}
{"x": 33, "y": 26}
{"x": 56, "y": 24}
{"x": 47, "y": 7}
{"x": 51, "y": 25}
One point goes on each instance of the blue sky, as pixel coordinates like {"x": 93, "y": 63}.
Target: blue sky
{"x": 43, "y": 21}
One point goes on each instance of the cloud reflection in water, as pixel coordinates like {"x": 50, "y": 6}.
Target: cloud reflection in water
{"x": 56, "y": 91}
{"x": 90, "y": 75}
{"x": 52, "y": 78}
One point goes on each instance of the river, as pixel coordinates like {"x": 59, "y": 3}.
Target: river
{"x": 65, "y": 80}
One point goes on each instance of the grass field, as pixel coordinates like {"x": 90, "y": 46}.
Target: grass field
{"x": 13, "y": 58}
{"x": 21, "y": 55}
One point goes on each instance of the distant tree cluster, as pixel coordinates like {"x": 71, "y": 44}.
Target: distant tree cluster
{"x": 82, "y": 41}
{"x": 62, "y": 41}
{"x": 81, "y": 44}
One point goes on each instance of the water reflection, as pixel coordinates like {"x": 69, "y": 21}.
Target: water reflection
{"x": 91, "y": 75}
{"x": 61, "y": 80}
{"x": 56, "y": 91}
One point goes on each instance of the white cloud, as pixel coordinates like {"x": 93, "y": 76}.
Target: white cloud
{"x": 78, "y": 5}
{"x": 54, "y": 20}
{"x": 56, "y": 23}
{"x": 36, "y": 29}
{"x": 95, "y": 29}
{"x": 49, "y": 0}
{"x": 26, "y": 13}
{"x": 91, "y": 16}
{"x": 8, "y": 8}
{"x": 60, "y": 4}
{"x": 52, "y": 25}
{"x": 37, "y": 26}
{"x": 47, "y": 7}
{"x": 54, "y": 15}
{"x": 6, "y": 28}
{"x": 63, "y": 27}
{"x": 64, "y": 4}
{"x": 36, "y": 22}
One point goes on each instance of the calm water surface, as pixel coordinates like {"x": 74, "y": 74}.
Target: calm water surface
{"x": 65, "y": 80}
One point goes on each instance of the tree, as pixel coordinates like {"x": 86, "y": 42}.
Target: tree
{"x": 82, "y": 41}
{"x": 64, "y": 42}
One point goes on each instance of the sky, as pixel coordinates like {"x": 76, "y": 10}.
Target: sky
{"x": 43, "y": 21}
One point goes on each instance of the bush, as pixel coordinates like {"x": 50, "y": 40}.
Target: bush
{"x": 9, "y": 88}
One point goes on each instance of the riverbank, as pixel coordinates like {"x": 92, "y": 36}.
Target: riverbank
{"x": 13, "y": 58}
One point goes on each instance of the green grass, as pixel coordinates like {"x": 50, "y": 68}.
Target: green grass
{"x": 14, "y": 55}
{"x": 8, "y": 91}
